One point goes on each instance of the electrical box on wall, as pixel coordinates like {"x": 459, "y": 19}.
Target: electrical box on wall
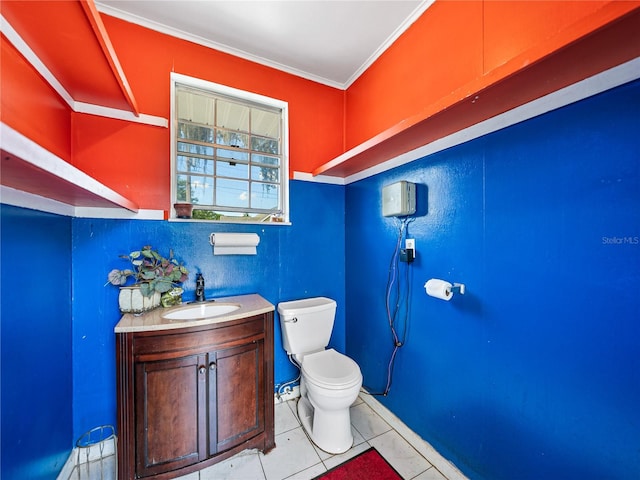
{"x": 399, "y": 199}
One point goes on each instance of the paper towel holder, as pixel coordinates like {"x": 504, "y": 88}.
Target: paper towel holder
{"x": 234, "y": 243}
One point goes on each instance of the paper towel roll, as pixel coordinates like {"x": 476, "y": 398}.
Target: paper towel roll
{"x": 234, "y": 243}
{"x": 438, "y": 289}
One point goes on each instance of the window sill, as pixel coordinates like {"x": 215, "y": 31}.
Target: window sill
{"x": 226, "y": 222}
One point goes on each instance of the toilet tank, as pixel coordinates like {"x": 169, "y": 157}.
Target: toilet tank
{"x": 306, "y": 324}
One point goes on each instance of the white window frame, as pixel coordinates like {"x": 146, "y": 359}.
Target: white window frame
{"x": 215, "y": 88}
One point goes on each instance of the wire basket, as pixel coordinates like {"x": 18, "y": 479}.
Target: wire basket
{"x": 97, "y": 454}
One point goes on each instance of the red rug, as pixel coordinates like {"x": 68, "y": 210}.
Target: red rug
{"x": 369, "y": 465}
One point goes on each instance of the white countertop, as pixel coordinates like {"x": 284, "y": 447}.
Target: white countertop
{"x": 153, "y": 320}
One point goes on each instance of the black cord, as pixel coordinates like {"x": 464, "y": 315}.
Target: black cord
{"x": 392, "y": 311}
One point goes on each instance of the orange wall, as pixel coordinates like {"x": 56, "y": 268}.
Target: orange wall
{"x": 131, "y": 158}
{"x": 30, "y": 106}
{"x": 117, "y": 153}
{"x": 513, "y": 28}
{"x": 440, "y": 51}
{"x": 456, "y": 43}
{"x": 454, "y": 50}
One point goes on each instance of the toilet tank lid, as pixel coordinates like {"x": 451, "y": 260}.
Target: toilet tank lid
{"x": 307, "y": 305}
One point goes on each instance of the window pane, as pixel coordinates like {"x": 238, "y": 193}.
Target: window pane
{"x": 233, "y": 116}
{"x": 196, "y": 108}
{"x": 274, "y": 161}
{"x": 264, "y": 195}
{"x": 194, "y": 132}
{"x": 233, "y": 154}
{"x": 267, "y": 145}
{"x": 194, "y": 165}
{"x": 181, "y": 188}
{"x": 228, "y": 159}
{"x": 201, "y": 190}
{"x": 265, "y": 174}
{"x": 204, "y": 214}
{"x": 237, "y": 216}
{"x": 197, "y": 190}
{"x": 182, "y": 163}
{"x": 197, "y": 149}
{"x": 232, "y": 193}
{"x": 233, "y": 139}
{"x": 232, "y": 169}
{"x": 265, "y": 123}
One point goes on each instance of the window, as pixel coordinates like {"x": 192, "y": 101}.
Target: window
{"x": 229, "y": 152}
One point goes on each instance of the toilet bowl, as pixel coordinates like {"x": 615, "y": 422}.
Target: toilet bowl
{"x": 329, "y": 380}
{"x": 330, "y": 384}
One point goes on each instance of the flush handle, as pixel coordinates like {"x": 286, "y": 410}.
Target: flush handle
{"x": 293, "y": 320}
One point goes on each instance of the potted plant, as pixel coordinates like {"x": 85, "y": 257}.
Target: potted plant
{"x": 153, "y": 275}
{"x": 183, "y": 209}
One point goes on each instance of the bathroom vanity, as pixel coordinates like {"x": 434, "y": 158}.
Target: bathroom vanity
{"x": 194, "y": 391}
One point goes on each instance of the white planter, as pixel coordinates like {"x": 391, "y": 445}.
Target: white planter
{"x": 131, "y": 300}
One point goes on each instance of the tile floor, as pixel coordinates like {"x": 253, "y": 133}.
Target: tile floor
{"x": 296, "y": 458}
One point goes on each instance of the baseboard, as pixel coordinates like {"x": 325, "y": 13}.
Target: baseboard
{"x": 449, "y": 470}
{"x": 443, "y": 465}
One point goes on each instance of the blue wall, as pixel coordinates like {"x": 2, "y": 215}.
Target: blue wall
{"x": 304, "y": 259}
{"x": 532, "y": 374}
{"x": 54, "y": 269}
{"x": 36, "y": 343}
{"x": 535, "y": 372}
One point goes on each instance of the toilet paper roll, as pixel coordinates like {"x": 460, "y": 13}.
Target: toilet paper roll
{"x": 438, "y": 289}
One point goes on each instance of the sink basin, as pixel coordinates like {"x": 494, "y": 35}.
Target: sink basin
{"x": 201, "y": 311}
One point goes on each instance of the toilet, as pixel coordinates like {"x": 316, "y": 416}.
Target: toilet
{"x": 330, "y": 381}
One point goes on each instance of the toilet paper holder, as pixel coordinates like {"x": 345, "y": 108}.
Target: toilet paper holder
{"x": 442, "y": 289}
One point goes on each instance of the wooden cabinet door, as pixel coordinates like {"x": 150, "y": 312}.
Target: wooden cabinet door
{"x": 236, "y": 395}
{"x": 170, "y": 402}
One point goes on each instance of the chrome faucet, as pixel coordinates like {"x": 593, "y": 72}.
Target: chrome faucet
{"x": 199, "y": 288}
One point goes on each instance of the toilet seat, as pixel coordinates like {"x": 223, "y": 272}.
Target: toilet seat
{"x": 331, "y": 370}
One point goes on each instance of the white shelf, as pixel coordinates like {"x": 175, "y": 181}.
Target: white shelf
{"x": 27, "y": 167}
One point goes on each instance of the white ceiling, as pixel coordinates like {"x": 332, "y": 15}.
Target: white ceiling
{"x": 328, "y": 41}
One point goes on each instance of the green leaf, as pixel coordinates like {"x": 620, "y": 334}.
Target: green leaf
{"x": 145, "y": 289}
{"x": 133, "y": 255}
{"x": 163, "y": 286}
{"x": 116, "y": 277}
{"x": 147, "y": 275}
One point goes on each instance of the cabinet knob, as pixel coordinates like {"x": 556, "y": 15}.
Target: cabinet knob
{"x": 202, "y": 369}
{"x": 212, "y": 366}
